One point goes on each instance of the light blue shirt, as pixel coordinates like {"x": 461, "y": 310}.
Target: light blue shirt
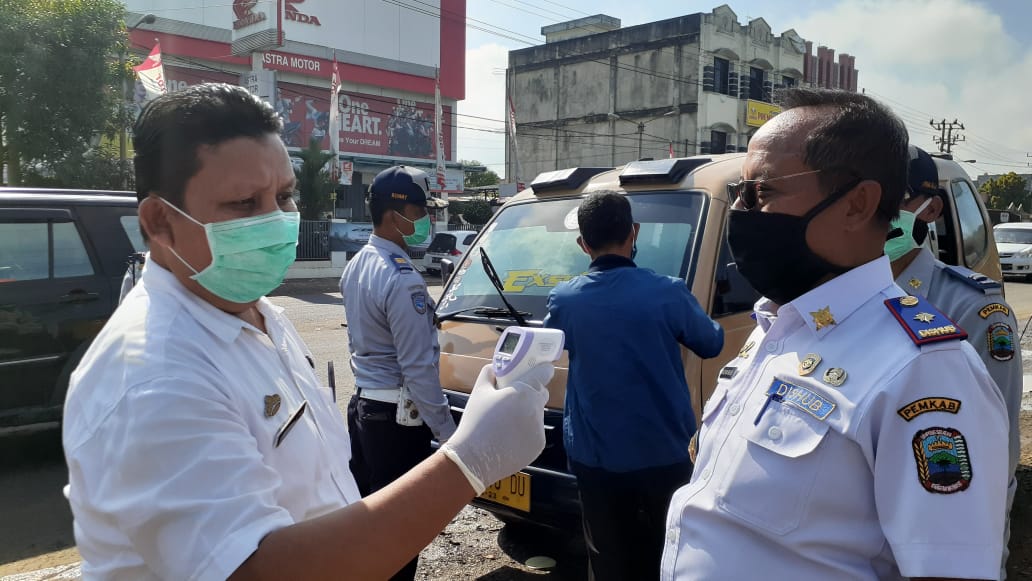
{"x": 391, "y": 332}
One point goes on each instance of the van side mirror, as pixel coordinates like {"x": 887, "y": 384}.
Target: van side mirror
{"x": 447, "y": 268}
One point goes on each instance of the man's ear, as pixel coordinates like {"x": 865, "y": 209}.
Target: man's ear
{"x": 932, "y": 212}
{"x": 155, "y": 216}
{"x": 861, "y": 205}
{"x": 583, "y": 246}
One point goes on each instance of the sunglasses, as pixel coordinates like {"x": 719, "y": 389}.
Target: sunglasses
{"x": 746, "y": 190}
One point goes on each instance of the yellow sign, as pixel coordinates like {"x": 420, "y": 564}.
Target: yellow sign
{"x": 516, "y": 281}
{"x": 757, "y": 112}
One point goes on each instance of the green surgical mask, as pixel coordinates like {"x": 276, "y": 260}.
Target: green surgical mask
{"x": 897, "y": 247}
{"x": 421, "y": 232}
{"x": 249, "y": 256}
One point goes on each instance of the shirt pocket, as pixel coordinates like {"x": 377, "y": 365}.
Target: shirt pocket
{"x": 769, "y": 480}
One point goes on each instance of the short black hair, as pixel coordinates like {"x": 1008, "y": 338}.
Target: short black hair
{"x": 861, "y": 139}
{"x": 172, "y": 127}
{"x": 380, "y": 205}
{"x": 605, "y": 219}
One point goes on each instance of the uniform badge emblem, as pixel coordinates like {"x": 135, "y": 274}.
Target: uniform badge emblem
{"x": 1001, "y": 341}
{"x": 272, "y": 405}
{"x": 693, "y": 447}
{"x": 908, "y": 301}
{"x": 914, "y": 283}
{"x": 728, "y": 372}
{"x": 835, "y": 376}
{"x": 928, "y": 404}
{"x": 943, "y": 465}
{"x": 924, "y": 317}
{"x": 799, "y": 397}
{"x": 419, "y": 302}
{"x": 744, "y": 351}
{"x": 993, "y": 308}
{"x": 823, "y": 318}
{"x": 809, "y": 364}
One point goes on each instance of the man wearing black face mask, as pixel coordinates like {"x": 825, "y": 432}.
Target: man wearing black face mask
{"x": 856, "y": 429}
{"x": 973, "y": 300}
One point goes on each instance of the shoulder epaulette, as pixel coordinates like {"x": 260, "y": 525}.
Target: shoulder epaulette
{"x": 923, "y": 322}
{"x": 972, "y": 278}
{"x": 401, "y": 264}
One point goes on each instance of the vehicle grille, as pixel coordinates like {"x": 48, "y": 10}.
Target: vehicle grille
{"x": 1006, "y": 255}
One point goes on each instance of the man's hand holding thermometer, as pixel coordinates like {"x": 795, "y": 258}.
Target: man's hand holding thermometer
{"x": 502, "y": 429}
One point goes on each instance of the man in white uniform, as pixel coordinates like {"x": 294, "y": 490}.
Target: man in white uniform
{"x": 856, "y": 436}
{"x": 199, "y": 442}
{"x": 974, "y": 301}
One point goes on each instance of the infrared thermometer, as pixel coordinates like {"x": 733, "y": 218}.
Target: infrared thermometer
{"x": 520, "y": 349}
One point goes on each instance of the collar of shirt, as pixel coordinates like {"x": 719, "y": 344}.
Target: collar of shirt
{"x": 609, "y": 262}
{"x": 920, "y": 271}
{"x": 223, "y": 325}
{"x": 386, "y": 244}
{"x": 824, "y": 308}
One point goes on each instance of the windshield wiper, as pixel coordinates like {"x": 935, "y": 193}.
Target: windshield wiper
{"x": 489, "y": 312}
{"x": 492, "y": 275}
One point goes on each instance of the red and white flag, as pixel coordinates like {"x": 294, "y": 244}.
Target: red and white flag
{"x": 671, "y": 149}
{"x": 439, "y": 134}
{"x": 515, "y": 149}
{"x": 152, "y": 73}
{"x": 334, "y": 123}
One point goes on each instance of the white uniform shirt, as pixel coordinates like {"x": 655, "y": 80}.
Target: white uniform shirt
{"x": 845, "y": 482}
{"x": 181, "y": 451}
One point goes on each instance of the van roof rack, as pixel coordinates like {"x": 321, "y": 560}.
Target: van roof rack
{"x": 665, "y": 171}
{"x": 565, "y": 179}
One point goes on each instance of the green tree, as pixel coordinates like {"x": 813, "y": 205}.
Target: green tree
{"x": 98, "y": 168}
{"x": 473, "y": 211}
{"x": 313, "y": 181}
{"x": 474, "y": 179}
{"x": 58, "y": 73}
{"x": 1005, "y": 190}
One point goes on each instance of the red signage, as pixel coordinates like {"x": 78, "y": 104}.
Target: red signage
{"x": 369, "y": 124}
{"x": 245, "y": 14}
{"x": 292, "y": 13}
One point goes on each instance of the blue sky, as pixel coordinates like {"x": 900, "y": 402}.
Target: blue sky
{"x": 964, "y": 59}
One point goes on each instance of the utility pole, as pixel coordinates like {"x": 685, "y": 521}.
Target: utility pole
{"x": 947, "y": 139}
{"x": 641, "y": 133}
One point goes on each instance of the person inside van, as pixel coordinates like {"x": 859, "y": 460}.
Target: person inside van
{"x": 971, "y": 300}
{"x": 628, "y": 417}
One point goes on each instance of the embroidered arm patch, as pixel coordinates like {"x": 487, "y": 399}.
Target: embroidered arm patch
{"x": 943, "y": 464}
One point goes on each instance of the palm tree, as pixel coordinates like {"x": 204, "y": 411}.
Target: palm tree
{"x": 313, "y": 181}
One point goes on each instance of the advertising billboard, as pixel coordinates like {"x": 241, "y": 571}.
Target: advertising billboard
{"x": 758, "y": 112}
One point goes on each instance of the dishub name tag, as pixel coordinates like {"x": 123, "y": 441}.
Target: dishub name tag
{"x": 802, "y": 398}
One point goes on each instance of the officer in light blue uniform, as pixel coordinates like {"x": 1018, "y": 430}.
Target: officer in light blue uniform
{"x": 398, "y": 406}
{"x": 972, "y": 300}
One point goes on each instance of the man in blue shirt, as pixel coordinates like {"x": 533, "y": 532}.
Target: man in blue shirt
{"x": 628, "y": 415}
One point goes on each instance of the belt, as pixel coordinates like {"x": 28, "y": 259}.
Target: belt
{"x": 388, "y": 395}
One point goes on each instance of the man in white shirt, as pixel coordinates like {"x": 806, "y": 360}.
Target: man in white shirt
{"x": 856, "y": 436}
{"x": 199, "y": 442}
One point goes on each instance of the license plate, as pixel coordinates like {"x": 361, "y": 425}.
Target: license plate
{"x": 1005, "y": 266}
{"x": 434, "y": 259}
{"x": 513, "y": 491}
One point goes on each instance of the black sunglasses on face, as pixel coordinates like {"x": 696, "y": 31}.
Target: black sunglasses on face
{"x": 746, "y": 190}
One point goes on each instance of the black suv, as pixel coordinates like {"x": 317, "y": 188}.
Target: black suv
{"x": 63, "y": 254}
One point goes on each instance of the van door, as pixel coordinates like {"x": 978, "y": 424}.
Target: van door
{"x": 52, "y": 301}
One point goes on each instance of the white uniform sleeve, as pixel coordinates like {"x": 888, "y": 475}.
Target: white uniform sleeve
{"x": 936, "y": 437}
{"x": 995, "y": 338}
{"x": 410, "y": 317}
{"x": 178, "y": 471}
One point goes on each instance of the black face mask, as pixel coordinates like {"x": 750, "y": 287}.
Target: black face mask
{"x": 771, "y": 250}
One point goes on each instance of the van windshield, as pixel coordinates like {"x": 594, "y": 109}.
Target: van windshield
{"x": 533, "y": 247}
{"x": 1013, "y": 235}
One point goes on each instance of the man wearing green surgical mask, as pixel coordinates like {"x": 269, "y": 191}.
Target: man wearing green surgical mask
{"x": 398, "y": 407}
{"x": 200, "y": 443}
{"x": 973, "y": 301}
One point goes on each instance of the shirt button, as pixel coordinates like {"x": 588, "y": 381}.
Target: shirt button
{"x": 706, "y": 474}
{"x": 771, "y": 347}
{"x": 734, "y": 409}
{"x": 774, "y": 433}
{"x": 671, "y": 535}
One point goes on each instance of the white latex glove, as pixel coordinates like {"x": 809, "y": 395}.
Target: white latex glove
{"x": 502, "y": 429}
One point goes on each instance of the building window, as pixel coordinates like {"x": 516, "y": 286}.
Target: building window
{"x": 721, "y": 70}
{"x": 788, "y": 82}
{"x": 718, "y": 142}
{"x": 756, "y": 83}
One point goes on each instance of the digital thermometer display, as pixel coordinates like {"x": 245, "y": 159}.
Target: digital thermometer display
{"x": 520, "y": 349}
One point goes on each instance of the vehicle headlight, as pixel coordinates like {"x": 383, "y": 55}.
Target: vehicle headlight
{"x": 1026, "y": 253}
